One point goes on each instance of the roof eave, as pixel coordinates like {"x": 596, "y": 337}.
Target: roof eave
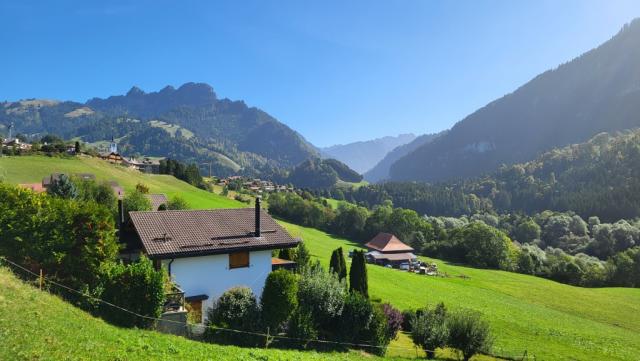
{"x": 210, "y": 252}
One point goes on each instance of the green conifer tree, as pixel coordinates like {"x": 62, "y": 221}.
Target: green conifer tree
{"x": 358, "y": 281}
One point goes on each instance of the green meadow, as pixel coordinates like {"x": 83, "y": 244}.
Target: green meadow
{"x": 549, "y": 320}
{"x": 35, "y": 325}
{"x": 31, "y": 169}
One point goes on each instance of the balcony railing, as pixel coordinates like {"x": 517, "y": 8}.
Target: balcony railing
{"x": 174, "y": 300}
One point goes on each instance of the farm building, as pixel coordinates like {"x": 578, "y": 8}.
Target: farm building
{"x": 206, "y": 252}
{"x": 387, "y": 249}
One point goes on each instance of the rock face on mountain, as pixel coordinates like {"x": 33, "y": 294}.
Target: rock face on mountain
{"x": 188, "y": 123}
{"x": 596, "y": 92}
{"x": 362, "y": 156}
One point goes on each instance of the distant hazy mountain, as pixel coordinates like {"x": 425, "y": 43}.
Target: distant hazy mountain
{"x": 596, "y": 92}
{"x": 362, "y": 156}
{"x": 189, "y": 123}
{"x": 380, "y": 171}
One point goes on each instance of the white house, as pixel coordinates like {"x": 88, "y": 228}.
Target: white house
{"x": 206, "y": 252}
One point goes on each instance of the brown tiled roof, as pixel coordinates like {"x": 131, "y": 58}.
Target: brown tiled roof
{"x": 174, "y": 234}
{"x": 386, "y": 242}
{"x": 157, "y": 200}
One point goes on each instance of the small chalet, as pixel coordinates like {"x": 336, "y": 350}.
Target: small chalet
{"x": 387, "y": 249}
{"x": 206, "y": 252}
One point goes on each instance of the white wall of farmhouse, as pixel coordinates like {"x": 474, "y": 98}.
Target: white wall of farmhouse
{"x": 211, "y": 276}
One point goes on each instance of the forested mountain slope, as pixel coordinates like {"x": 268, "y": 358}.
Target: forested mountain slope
{"x": 362, "y": 156}
{"x": 228, "y": 133}
{"x": 596, "y": 92}
{"x": 600, "y": 177}
{"x": 380, "y": 171}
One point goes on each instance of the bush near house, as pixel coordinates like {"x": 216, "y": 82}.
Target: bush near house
{"x": 137, "y": 287}
{"x": 74, "y": 243}
{"x": 279, "y": 299}
{"x": 237, "y": 309}
{"x": 69, "y": 240}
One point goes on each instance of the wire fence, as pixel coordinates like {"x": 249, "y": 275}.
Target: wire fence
{"x": 44, "y": 281}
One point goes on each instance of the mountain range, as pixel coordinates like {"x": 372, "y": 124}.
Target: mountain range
{"x": 598, "y": 91}
{"x": 189, "y": 123}
{"x": 364, "y": 155}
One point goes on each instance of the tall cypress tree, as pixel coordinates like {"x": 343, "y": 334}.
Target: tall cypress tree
{"x": 343, "y": 264}
{"x": 358, "y": 281}
{"x": 334, "y": 264}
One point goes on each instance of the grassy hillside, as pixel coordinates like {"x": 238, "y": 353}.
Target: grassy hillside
{"x": 553, "y": 321}
{"x": 31, "y": 169}
{"x": 550, "y": 320}
{"x": 37, "y": 326}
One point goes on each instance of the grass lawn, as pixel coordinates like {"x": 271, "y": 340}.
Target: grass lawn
{"x": 31, "y": 169}
{"x": 549, "y": 320}
{"x": 37, "y": 326}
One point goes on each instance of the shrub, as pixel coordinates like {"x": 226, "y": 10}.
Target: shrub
{"x": 302, "y": 327}
{"x": 68, "y": 240}
{"x": 469, "y": 333}
{"x": 286, "y": 253}
{"x": 142, "y": 188}
{"x": 322, "y": 295}
{"x": 302, "y": 256}
{"x": 137, "y": 287}
{"x": 236, "y": 309}
{"x": 429, "y": 329}
{"x": 177, "y": 203}
{"x": 135, "y": 201}
{"x": 407, "y": 319}
{"x": 394, "y": 320}
{"x": 279, "y": 299}
{"x": 355, "y": 319}
{"x": 378, "y": 333}
{"x": 63, "y": 188}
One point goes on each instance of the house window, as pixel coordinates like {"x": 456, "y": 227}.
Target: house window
{"x": 238, "y": 260}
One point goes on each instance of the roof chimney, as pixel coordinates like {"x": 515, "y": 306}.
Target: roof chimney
{"x": 120, "y": 214}
{"x": 257, "y": 232}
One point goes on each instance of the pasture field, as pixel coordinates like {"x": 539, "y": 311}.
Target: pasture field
{"x": 35, "y": 325}
{"x": 550, "y": 320}
{"x": 31, "y": 169}
{"x": 547, "y": 319}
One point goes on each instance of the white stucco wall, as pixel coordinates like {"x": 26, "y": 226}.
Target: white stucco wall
{"x": 211, "y": 276}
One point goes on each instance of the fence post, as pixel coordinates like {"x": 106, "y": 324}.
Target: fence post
{"x": 266, "y": 343}
{"x": 40, "y": 279}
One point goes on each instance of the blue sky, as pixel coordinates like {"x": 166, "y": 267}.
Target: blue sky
{"x": 336, "y": 71}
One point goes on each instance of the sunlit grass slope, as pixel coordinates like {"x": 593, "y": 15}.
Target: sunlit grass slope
{"x": 37, "y": 326}
{"x": 31, "y": 169}
{"x": 553, "y": 321}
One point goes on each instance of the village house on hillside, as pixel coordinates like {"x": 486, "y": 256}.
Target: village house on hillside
{"x": 206, "y": 252}
{"x": 386, "y": 249}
